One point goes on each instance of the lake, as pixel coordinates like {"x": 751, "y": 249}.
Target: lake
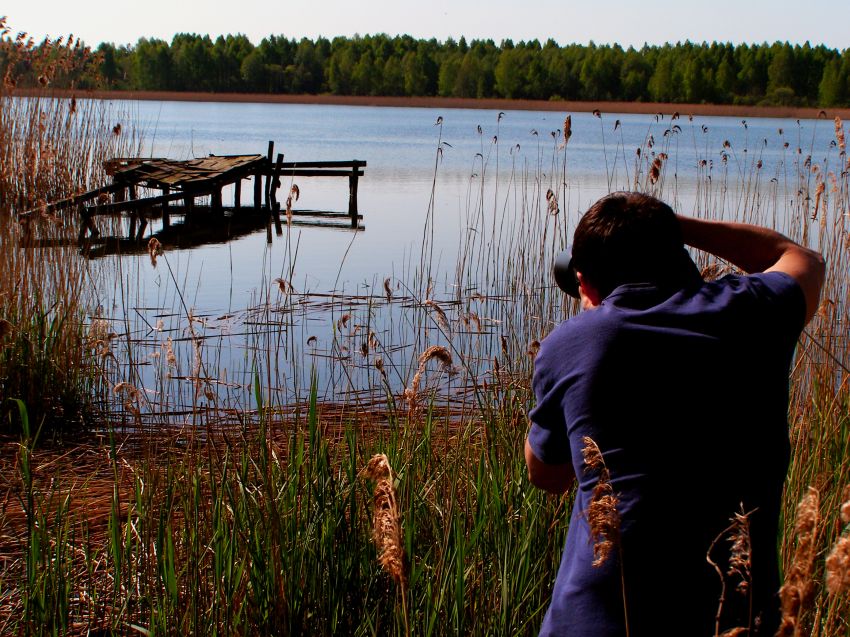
{"x": 453, "y": 178}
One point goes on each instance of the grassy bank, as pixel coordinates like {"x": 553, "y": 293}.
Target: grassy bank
{"x": 496, "y": 104}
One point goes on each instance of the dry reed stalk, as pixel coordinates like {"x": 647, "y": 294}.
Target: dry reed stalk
{"x": 442, "y": 319}
{"x": 601, "y": 513}
{"x": 386, "y": 529}
{"x": 839, "y": 134}
{"x": 818, "y": 196}
{"x": 798, "y": 590}
{"x": 434, "y": 352}
{"x": 388, "y": 290}
{"x": 740, "y": 564}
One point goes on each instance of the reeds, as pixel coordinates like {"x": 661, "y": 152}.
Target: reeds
{"x": 49, "y": 148}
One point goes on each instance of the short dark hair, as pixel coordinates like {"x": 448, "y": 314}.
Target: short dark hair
{"x": 627, "y": 237}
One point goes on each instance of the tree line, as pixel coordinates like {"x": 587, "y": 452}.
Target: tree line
{"x": 721, "y": 73}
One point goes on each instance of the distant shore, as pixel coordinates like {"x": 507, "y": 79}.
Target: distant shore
{"x": 650, "y": 108}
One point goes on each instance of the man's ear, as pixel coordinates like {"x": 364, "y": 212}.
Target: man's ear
{"x": 589, "y": 295}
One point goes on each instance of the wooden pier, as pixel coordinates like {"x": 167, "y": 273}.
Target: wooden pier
{"x": 178, "y": 186}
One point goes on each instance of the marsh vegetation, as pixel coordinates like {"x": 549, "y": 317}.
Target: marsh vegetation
{"x": 147, "y": 490}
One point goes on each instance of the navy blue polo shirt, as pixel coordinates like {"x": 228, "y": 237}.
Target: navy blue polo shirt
{"x": 685, "y": 392}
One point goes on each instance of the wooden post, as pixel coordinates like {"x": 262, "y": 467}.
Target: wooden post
{"x": 352, "y": 196}
{"x": 237, "y": 194}
{"x": 273, "y": 194}
{"x": 269, "y": 232}
{"x": 215, "y": 201}
{"x": 166, "y": 216}
{"x": 189, "y": 205}
{"x": 85, "y": 223}
{"x": 278, "y": 226}
{"x": 258, "y": 190}
{"x": 131, "y": 190}
{"x": 270, "y": 176}
{"x": 142, "y": 226}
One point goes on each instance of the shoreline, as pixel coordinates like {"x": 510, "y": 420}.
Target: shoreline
{"x": 639, "y": 108}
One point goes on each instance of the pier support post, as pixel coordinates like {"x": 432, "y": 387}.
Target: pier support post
{"x": 134, "y": 217}
{"x": 189, "y": 206}
{"x": 352, "y": 197}
{"x": 275, "y": 205}
{"x": 215, "y": 201}
{"x": 166, "y": 216}
{"x": 258, "y": 191}
{"x": 270, "y": 176}
{"x": 237, "y": 194}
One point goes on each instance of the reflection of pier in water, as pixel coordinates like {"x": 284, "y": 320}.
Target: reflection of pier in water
{"x": 192, "y": 190}
{"x": 185, "y": 233}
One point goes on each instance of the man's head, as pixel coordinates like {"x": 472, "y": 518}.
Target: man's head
{"x": 625, "y": 237}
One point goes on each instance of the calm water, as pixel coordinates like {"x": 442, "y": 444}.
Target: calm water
{"x": 472, "y": 156}
{"x": 400, "y": 146}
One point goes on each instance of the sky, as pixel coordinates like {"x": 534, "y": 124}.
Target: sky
{"x": 566, "y": 21}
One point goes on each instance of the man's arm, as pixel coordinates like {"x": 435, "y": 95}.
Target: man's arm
{"x": 757, "y": 249}
{"x": 554, "y": 478}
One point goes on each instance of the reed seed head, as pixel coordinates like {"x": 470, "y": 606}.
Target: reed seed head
{"x": 797, "y": 591}
{"x": 838, "y": 568}
{"x": 602, "y": 515}
{"x": 568, "y": 131}
{"x": 386, "y": 525}
{"x": 655, "y": 170}
{"x": 740, "y": 558}
{"x": 154, "y": 250}
{"x": 845, "y": 506}
{"x": 284, "y": 286}
{"x": 439, "y": 313}
{"x": 434, "y": 352}
{"x": 839, "y": 134}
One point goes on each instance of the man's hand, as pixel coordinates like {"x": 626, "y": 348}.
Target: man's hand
{"x": 757, "y": 249}
{"x": 554, "y": 478}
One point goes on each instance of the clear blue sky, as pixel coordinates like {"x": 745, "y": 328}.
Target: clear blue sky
{"x": 566, "y": 21}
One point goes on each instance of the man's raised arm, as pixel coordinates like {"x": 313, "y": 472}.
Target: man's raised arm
{"x": 757, "y": 249}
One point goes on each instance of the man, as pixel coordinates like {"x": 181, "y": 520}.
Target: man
{"x": 683, "y": 385}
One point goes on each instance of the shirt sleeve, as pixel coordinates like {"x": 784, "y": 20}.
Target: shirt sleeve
{"x": 782, "y": 299}
{"x": 548, "y": 433}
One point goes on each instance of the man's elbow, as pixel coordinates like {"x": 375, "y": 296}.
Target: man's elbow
{"x": 552, "y": 478}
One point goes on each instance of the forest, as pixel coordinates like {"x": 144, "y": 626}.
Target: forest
{"x": 718, "y": 73}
